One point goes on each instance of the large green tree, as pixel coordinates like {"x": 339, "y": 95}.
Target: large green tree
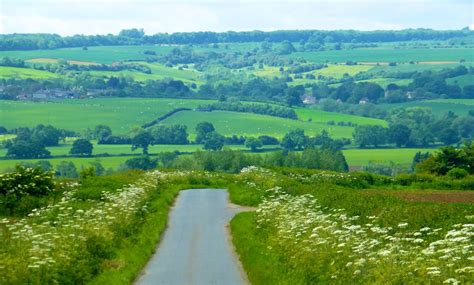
{"x": 81, "y": 147}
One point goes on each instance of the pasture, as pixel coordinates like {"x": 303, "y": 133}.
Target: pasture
{"x": 121, "y": 114}
{"x": 319, "y": 116}
{"x": 361, "y": 157}
{"x": 460, "y": 107}
{"x": 97, "y": 54}
{"x": 7, "y": 72}
{"x": 158, "y": 72}
{"x": 383, "y": 55}
{"x": 461, "y": 81}
{"x": 230, "y": 123}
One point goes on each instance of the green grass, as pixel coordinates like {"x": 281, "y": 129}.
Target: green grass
{"x": 382, "y": 81}
{"x": 463, "y": 80}
{"x": 121, "y": 114}
{"x": 229, "y": 123}
{"x": 159, "y": 71}
{"x": 319, "y": 116}
{"x": 98, "y": 54}
{"x": 361, "y": 157}
{"x": 389, "y": 55}
{"x": 438, "y": 107}
{"x": 7, "y": 72}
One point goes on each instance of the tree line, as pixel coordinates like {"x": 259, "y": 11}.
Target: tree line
{"x": 138, "y": 37}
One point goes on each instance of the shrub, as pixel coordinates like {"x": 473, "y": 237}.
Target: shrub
{"x": 457, "y": 173}
{"x": 26, "y": 181}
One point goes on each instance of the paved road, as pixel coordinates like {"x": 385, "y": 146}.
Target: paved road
{"x": 195, "y": 248}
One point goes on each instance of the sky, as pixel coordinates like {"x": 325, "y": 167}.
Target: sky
{"x": 90, "y": 17}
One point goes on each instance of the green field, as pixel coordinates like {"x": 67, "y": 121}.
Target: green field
{"x": 439, "y": 107}
{"x": 389, "y": 55}
{"x": 108, "y": 162}
{"x": 463, "y": 80}
{"x": 229, "y": 123}
{"x": 159, "y": 71}
{"x": 7, "y": 72}
{"x": 386, "y": 81}
{"x": 319, "y": 116}
{"x": 361, "y": 157}
{"x": 121, "y": 114}
{"x": 98, "y": 54}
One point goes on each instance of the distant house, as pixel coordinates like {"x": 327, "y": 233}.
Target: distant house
{"x": 308, "y": 99}
{"x": 363, "y": 101}
{"x": 410, "y": 95}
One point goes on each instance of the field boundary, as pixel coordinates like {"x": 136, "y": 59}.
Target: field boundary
{"x": 164, "y": 117}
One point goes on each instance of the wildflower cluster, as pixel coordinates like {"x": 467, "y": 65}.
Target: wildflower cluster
{"x": 26, "y": 181}
{"x": 65, "y": 242}
{"x": 326, "y": 244}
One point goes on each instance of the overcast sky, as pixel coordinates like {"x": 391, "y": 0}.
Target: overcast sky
{"x": 69, "y": 17}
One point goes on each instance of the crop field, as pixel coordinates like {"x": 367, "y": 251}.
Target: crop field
{"x": 97, "y": 54}
{"x": 438, "y": 107}
{"x": 121, "y": 114}
{"x": 7, "y": 72}
{"x": 361, "y": 157}
{"x": 442, "y": 55}
{"x": 229, "y": 123}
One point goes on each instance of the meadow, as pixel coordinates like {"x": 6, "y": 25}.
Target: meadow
{"x": 229, "y": 123}
{"x": 383, "y": 55}
{"x": 314, "y": 228}
{"x": 361, "y": 157}
{"x": 460, "y": 107}
{"x": 158, "y": 72}
{"x": 121, "y": 114}
{"x": 7, "y": 72}
{"x": 318, "y": 116}
{"x": 463, "y": 80}
{"x": 97, "y": 54}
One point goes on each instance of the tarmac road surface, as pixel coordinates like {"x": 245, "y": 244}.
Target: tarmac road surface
{"x": 195, "y": 248}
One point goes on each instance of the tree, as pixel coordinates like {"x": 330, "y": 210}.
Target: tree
{"x": 26, "y": 149}
{"x": 203, "y": 129}
{"x": 295, "y": 139}
{"x": 66, "y": 169}
{"x": 370, "y": 135}
{"x": 132, "y": 33}
{"x": 449, "y": 136}
{"x": 253, "y": 143}
{"x": 101, "y": 133}
{"x": 213, "y": 141}
{"x": 143, "y": 162}
{"x": 448, "y": 158}
{"x": 81, "y": 147}
{"x": 142, "y": 139}
{"x": 174, "y": 134}
{"x": 399, "y": 134}
{"x": 286, "y": 47}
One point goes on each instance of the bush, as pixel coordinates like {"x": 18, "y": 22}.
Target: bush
{"x": 26, "y": 181}
{"x": 457, "y": 173}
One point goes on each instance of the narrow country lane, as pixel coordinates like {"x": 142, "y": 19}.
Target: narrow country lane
{"x": 195, "y": 248}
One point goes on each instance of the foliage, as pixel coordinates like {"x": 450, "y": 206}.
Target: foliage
{"x": 81, "y": 147}
{"x": 448, "y": 158}
{"x": 253, "y": 143}
{"x": 263, "y": 109}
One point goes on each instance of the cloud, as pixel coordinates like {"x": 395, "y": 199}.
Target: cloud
{"x": 68, "y": 17}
